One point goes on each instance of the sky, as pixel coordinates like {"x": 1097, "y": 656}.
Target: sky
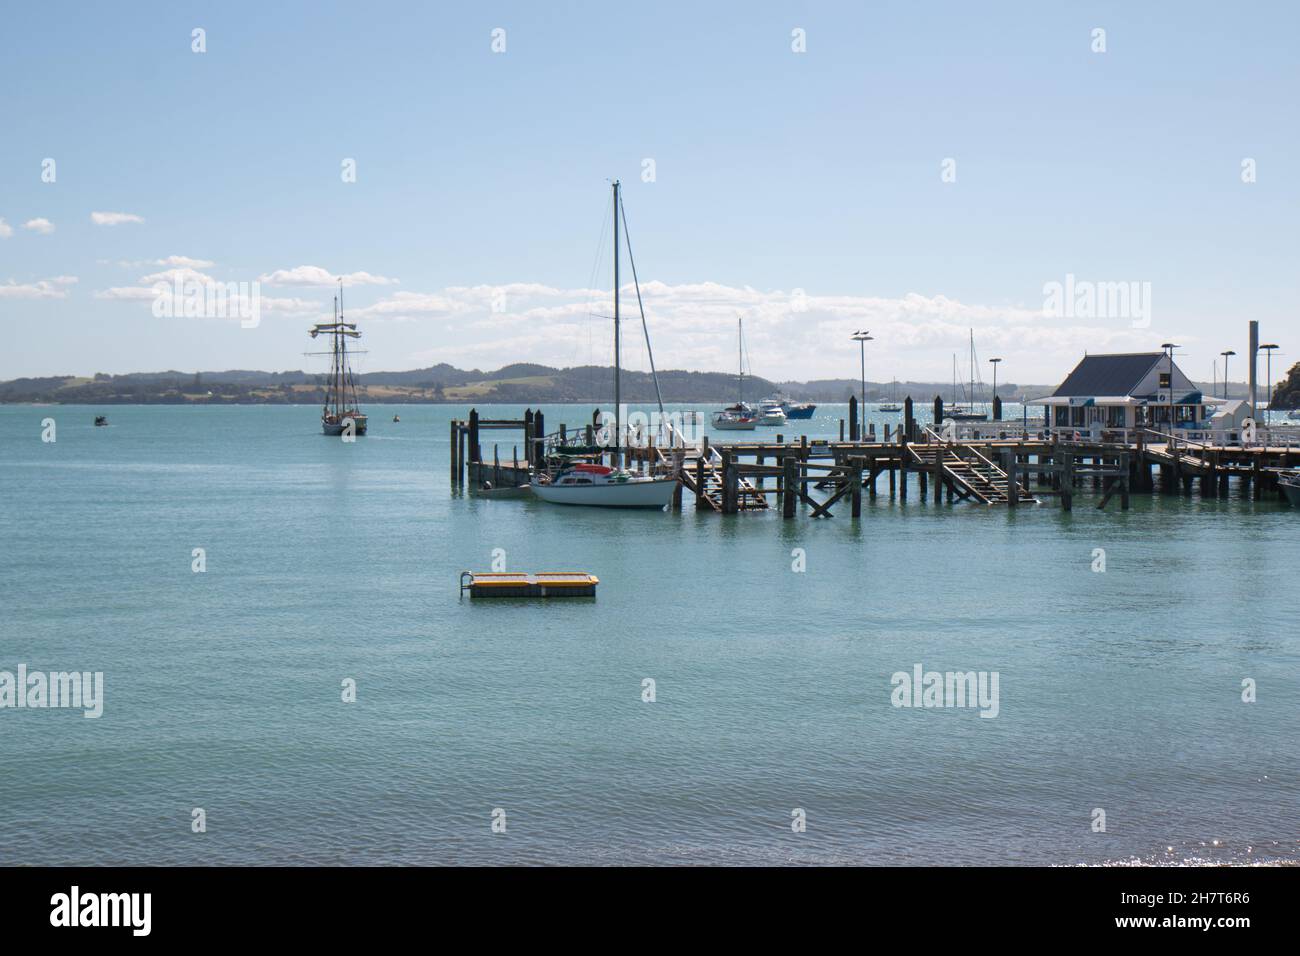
{"x": 918, "y": 170}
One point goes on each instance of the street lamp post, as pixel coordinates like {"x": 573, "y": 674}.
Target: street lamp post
{"x": 994, "y": 362}
{"x": 862, "y": 338}
{"x": 1268, "y": 364}
{"x": 1225, "y": 372}
{"x": 1169, "y": 348}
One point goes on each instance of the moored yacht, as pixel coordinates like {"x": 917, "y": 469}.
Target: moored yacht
{"x": 603, "y": 486}
{"x": 771, "y": 414}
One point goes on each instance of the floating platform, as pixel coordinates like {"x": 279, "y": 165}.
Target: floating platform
{"x": 523, "y": 584}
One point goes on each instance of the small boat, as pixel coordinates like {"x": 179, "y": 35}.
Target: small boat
{"x": 488, "y": 490}
{"x": 892, "y": 405}
{"x": 738, "y": 417}
{"x": 798, "y": 410}
{"x": 959, "y": 412}
{"x": 1289, "y": 482}
{"x": 396, "y": 419}
{"x": 1294, "y": 414}
{"x": 603, "y": 486}
{"x": 341, "y": 410}
{"x": 741, "y": 416}
{"x": 771, "y": 414}
{"x": 101, "y": 421}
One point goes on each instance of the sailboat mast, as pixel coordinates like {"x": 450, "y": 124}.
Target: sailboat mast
{"x": 740, "y": 355}
{"x": 341, "y": 400}
{"x": 618, "y": 375}
{"x": 972, "y": 369}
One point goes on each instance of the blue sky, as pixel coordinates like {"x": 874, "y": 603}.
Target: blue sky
{"x": 804, "y": 190}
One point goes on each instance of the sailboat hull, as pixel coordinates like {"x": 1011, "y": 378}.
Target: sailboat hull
{"x": 336, "y": 428}
{"x": 655, "y": 493}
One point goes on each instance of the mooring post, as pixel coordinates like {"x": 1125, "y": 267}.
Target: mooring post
{"x": 528, "y": 435}
{"x": 475, "y": 452}
{"x": 938, "y": 411}
{"x": 455, "y": 447}
{"x": 853, "y": 418}
{"x": 997, "y": 408}
{"x": 1013, "y": 488}
{"x": 1123, "y": 488}
{"x": 855, "y": 493}
{"x": 789, "y": 484}
{"x": 909, "y": 422}
{"x": 1066, "y": 463}
{"x": 539, "y": 438}
{"x": 938, "y": 473}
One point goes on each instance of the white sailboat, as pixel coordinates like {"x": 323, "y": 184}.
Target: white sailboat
{"x": 740, "y": 417}
{"x": 892, "y": 405}
{"x": 606, "y": 486}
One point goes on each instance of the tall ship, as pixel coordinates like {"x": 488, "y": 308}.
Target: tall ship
{"x": 341, "y": 407}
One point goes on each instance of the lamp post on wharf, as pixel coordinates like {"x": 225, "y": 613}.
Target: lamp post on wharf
{"x": 1169, "y": 348}
{"x": 862, "y": 338}
{"x": 1225, "y": 355}
{"x": 1268, "y": 364}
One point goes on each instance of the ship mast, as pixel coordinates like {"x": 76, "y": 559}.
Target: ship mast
{"x": 618, "y": 435}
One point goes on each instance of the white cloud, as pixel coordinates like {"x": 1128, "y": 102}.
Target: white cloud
{"x": 315, "y": 275}
{"x": 185, "y": 261}
{"x": 56, "y": 288}
{"x": 127, "y": 293}
{"x": 42, "y": 226}
{"x": 113, "y": 218}
{"x": 180, "y": 274}
{"x": 788, "y": 335}
{"x": 6, "y": 230}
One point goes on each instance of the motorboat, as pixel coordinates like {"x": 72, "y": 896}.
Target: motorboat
{"x": 771, "y": 414}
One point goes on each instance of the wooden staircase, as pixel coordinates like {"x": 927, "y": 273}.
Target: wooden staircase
{"x": 748, "y": 498}
{"x": 973, "y": 475}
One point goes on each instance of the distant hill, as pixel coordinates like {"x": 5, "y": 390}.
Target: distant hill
{"x": 518, "y": 383}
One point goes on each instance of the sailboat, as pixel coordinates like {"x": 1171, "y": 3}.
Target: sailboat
{"x": 959, "y": 412}
{"x": 607, "y": 486}
{"x": 892, "y": 405}
{"x": 741, "y": 416}
{"x": 341, "y": 408}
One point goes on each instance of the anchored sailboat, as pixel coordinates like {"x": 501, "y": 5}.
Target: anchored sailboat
{"x": 608, "y": 486}
{"x": 741, "y": 416}
{"x": 959, "y": 412}
{"x": 341, "y": 409}
{"x": 892, "y": 405}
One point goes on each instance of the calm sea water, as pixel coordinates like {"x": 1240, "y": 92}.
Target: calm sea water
{"x": 327, "y": 561}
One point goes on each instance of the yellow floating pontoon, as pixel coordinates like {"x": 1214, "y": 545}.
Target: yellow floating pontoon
{"x": 522, "y": 584}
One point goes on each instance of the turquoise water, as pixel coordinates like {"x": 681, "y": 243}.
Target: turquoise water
{"x": 327, "y": 561}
